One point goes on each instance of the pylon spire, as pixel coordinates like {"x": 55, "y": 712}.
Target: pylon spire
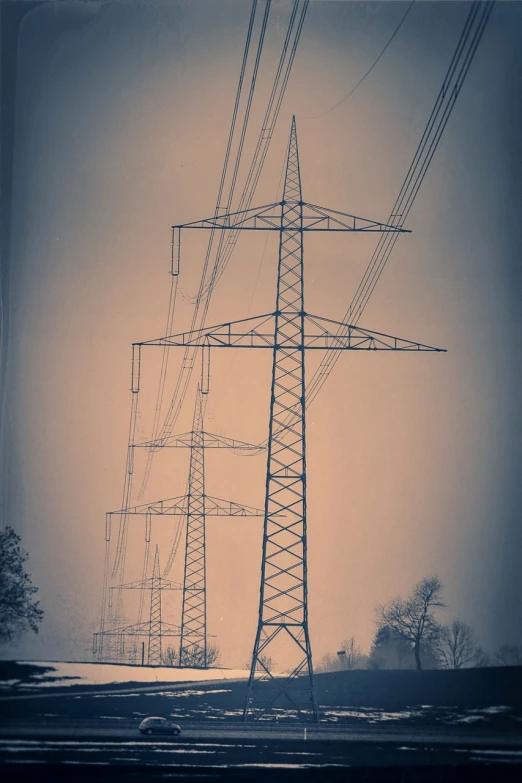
{"x": 292, "y": 186}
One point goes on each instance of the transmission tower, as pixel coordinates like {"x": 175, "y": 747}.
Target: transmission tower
{"x": 155, "y": 629}
{"x": 288, "y": 332}
{"x": 193, "y": 642}
{"x": 195, "y": 506}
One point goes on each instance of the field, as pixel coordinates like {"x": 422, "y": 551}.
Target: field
{"x": 489, "y": 698}
{"x": 384, "y": 725}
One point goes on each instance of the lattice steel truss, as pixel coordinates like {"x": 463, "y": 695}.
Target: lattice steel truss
{"x": 196, "y": 506}
{"x": 287, "y": 332}
{"x": 193, "y": 640}
{"x": 154, "y": 629}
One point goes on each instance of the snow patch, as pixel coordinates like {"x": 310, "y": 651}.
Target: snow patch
{"x": 66, "y": 674}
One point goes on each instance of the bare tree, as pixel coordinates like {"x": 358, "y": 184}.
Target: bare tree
{"x": 351, "y": 655}
{"x": 482, "y": 659}
{"x": 264, "y": 664}
{"x": 508, "y": 655}
{"x": 195, "y": 657}
{"x": 170, "y": 657}
{"x": 456, "y": 646}
{"x": 412, "y": 618}
{"x": 328, "y": 663}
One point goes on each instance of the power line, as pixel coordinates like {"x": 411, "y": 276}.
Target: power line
{"x": 265, "y": 136}
{"x": 467, "y": 45}
{"x": 368, "y": 72}
{"x": 122, "y": 532}
{"x": 218, "y": 207}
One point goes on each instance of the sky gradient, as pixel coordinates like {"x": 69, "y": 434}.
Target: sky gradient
{"x": 414, "y": 461}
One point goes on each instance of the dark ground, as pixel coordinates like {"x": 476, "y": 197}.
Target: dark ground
{"x": 489, "y": 698}
{"x": 387, "y": 725}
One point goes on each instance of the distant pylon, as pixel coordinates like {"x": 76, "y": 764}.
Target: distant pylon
{"x": 193, "y": 640}
{"x": 282, "y": 639}
{"x": 195, "y": 506}
{"x": 155, "y": 635}
{"x": 155, "y": 629}
{"x": 193, "y": 648}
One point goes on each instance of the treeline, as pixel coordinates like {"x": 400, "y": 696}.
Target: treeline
{"x": 409, "y": 636}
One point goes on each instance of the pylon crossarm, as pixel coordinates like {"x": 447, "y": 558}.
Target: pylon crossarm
{"x": 176, "y": 505}
{"x": 167, "y": 629}
{"x": 316, "y": 218}
{"x": 255, "y": 218}
{"x": 211, "y": 441}
{"x": 336, "y": 334}
{"x": 147, "y": 584}
{"x": 245, "y": 333}
{"x": 320, "y": 334}
{"x": 175, "y": 441}
{"x": 217, "y": 507}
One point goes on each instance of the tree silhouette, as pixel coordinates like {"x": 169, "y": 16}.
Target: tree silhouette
{"x": 508, "y": 655}
{"x": 18, "y": 611}
{"x": 456, "y": 646}
{"x": 170, "y": 657}
{"x": 194, "y": 657}
{"x": 351, "y": 654}
{"x": 412, "y": 618}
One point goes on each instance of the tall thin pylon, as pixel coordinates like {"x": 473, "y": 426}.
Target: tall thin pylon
{"x": 283, "y": 609}
{"x": 281, "y": 673}
{"x": 193, "y": 649}
{"x": 193, "y": 642}
{"x": 155, "y": 629}
{"x": 195, "y": 507}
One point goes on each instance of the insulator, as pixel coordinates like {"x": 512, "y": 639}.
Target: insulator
{"x": 175, "y": 254}
{"x": 110, "y": 597}
{"x": 148, "y": 525}
{"x": 94, "y": 643}
{"x": 136, "y": 367}
{"x": 107, "y": 527}
{"x": 205, "y": 369}
{"x": 130, "y": 460}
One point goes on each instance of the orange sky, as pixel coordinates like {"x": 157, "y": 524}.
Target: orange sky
{"x": 122, "y": 120}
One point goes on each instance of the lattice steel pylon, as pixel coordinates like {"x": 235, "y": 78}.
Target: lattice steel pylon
{"x": 193, "y": 648}
{"x": 288, "y": 332}
{"x": 195, "y": 507}
{"x": 155, "y": 628}
{"x": 155, "y": 635}
{"x": 193, "y": 641}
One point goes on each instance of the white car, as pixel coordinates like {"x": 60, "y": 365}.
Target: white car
{"x": 159, "y": 726}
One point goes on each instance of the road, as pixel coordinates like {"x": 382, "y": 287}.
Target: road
{"x": 233, "y": 745}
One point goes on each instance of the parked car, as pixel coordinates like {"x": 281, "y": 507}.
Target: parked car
{"x": 159, "y": 726}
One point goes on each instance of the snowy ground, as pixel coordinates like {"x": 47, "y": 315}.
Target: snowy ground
{"x": 64, "y": 674}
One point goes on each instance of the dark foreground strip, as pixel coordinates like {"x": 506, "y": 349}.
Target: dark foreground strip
{"x": 20, "y": 773}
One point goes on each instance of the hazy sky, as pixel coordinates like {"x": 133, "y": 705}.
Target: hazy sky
{"x": 414, "y": 461}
